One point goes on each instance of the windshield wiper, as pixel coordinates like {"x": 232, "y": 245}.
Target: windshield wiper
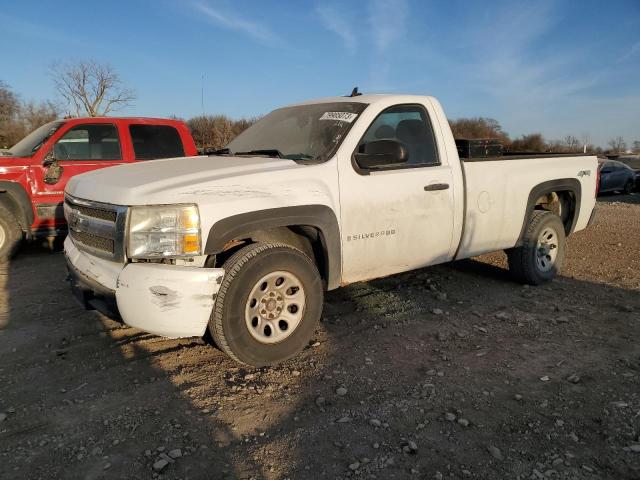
{"x": 269, "y": 152}
{"x": 217, "y": 151}
{"x": 299, "y": 156}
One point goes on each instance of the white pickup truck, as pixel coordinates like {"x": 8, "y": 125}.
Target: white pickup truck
{"x": 312, "y": 197}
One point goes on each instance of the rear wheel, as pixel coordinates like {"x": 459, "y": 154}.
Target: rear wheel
{"x": 628, "y": 187}
{"x": 539, "y": 258}
{"x": 268, "y": 305}
{"x": 10, "y": 234}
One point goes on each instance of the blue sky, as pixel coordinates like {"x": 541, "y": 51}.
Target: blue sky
{"x": 558, "y": 67}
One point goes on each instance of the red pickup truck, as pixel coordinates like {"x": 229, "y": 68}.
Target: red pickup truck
{"x": 35, "y": 171}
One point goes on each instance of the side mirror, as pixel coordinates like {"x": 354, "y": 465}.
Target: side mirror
{"x": 49, "y": 159}
{"x": 381, "y": 153}
{"x": 53, "y": 170}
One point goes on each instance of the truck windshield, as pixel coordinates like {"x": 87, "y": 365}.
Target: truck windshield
{"x": 305, "y": 132}
{"x": 32, "y": 142}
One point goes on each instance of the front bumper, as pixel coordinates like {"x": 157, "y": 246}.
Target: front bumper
{"x": 167, "y": 300}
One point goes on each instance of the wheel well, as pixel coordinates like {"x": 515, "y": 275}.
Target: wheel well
{"x": 307, "y": 239}
{"x": 7, "y": 201}
{"x": 562, "y": 203}
{"x": 15, "y": 198}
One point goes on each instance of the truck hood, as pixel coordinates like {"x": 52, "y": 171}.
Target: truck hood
{"x": 179, "y": 180}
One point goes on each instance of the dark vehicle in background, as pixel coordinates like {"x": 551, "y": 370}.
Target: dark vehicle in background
{"x": 615, "y": 176}
{"x": 633, "y": 161}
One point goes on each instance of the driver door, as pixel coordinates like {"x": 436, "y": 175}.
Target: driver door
{"x": 81, "y": 149}
{"x": 400, "y": 217}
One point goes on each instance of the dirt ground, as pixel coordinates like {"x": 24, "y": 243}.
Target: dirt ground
{"x": 447, "y": 372}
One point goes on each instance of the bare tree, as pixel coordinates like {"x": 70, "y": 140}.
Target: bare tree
{"x": 557, "y": 146}
{"x": 216, "y": 131}
{"x": 572, "y": 142}
{"x": 9, "y": 102}
{"x": 585, "y": 142}
{"x": 18, "y": 118}
{"x": 617, "y": 144}
{"x": 34, "y": 115}
{"x": 534, "y": 142}
{"x": 478, "y": 127}
{"x": 91, "y": 88}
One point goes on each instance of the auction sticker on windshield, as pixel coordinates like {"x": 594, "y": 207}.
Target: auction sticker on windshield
{"x": 340, "y": 116}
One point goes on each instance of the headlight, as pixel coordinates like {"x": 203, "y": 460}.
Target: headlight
{"x": 161, "y": 231}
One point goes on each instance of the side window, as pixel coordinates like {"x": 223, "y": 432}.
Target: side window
{"x": 409, "y": 125}
{"x": 156, "y": 141}
{"x": 97, "y": 141}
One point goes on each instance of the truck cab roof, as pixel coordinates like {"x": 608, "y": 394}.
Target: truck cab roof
{"x": 160, "y": 121}
{"x": 369, "y": 98}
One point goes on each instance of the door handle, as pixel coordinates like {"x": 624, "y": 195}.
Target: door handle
{"x": 436, "y": 186}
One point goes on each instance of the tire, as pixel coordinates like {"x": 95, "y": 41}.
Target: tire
{"x": 10, "y": 235}
{"x": 528, "y": 263}
{"x": 241, "y": 323}
{"x": 628, "y": 187}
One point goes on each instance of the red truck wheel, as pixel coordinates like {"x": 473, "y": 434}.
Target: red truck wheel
{"x": 10, "y": 234}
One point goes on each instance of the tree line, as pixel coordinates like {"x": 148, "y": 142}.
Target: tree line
{"x": 19, "y": 117}
{"x": 481, "y": 127}
{"x": 89, "y": 88}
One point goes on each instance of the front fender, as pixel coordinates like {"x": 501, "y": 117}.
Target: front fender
{"x": 321, "y": 217}
{"x": 18, "y": 202}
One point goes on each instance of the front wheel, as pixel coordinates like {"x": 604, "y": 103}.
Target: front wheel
{"x": 10, "y": 234}
{"x": 539, "y": 258}
{"x": 268, "y": 304}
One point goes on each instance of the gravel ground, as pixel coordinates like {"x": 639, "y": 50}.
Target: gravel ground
{"x": 447, "y": 372}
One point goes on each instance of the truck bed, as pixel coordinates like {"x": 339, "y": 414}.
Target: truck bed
{"x": 520, "y": 156}
{"x": 495, "y": 205}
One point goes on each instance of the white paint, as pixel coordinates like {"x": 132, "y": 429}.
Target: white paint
{"x": 388, "y": 223}
{"x": 484, "y": 201}
{"x": 423, "y": 223}
{"x": 508, "y": 183}
{"x": 97, "y": 269}
{"x": 167, "y": 300}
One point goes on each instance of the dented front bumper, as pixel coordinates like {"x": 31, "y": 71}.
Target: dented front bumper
{"x": 167, "y": 300}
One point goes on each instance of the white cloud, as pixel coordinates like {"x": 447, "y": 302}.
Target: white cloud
{"x": 632, "y": 52}
{"x": 336, "y": 22}
{"x": 387, "y": 19}
{"x": 506, "y": 66}
{"x": 387, "y": 23}
{"x": 237, "y": 23}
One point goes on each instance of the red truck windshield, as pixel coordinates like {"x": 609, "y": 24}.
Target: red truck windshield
{"x": 32, "y": 142}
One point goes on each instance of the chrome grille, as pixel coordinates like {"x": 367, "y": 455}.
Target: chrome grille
{"x": 97, "y": 228}
{"x": 94, "y": 241}
{"x": 97, "y": 213}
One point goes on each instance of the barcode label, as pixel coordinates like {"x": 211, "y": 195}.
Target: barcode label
{"x": 339, "y": 116}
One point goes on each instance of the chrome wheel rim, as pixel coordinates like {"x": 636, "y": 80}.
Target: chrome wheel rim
{"x": 547, "y": 249}
{"x": 275, "y": 307}
{"x": 3, "y": 236}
